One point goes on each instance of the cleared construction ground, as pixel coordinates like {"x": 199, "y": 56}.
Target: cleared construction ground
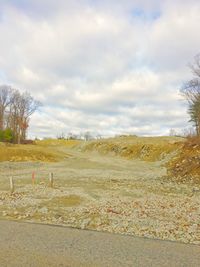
{"x": 126, "y": 185}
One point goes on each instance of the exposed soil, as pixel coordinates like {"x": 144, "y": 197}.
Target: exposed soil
{"x": 185, "y": 167}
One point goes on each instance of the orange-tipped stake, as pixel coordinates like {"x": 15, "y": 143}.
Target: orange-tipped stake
{"x": 33, "y": 178}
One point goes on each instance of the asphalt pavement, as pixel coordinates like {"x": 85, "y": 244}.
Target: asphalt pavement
{"x": 35, "y": 245}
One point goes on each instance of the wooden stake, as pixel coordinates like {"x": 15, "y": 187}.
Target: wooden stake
{"x": 33, "y": 178}
{"x": 12, "y": 189}
{"x": 51, "y": 179}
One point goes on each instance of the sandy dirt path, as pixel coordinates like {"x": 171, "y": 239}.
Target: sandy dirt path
{"x": 36, "y": 245}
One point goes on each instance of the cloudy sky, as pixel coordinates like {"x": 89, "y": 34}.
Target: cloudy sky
{"x": 105, "y": 66}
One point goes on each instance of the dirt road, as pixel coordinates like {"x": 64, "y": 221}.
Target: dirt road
{"x": 36, "y": 245}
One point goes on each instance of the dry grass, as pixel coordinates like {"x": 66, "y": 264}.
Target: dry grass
{"x": 17, "y": 153}
{"x": 44, "y": 151}
{"x": 27, "y": 153}
{"x": 56, "y": 142}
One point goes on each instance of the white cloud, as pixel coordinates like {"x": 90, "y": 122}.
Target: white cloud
{"x": 106, "y": 66}
{"x": 173, "y": 40}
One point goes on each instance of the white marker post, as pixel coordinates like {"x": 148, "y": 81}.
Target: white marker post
{"x": 51, "y": 179}
{"x": 12, "y": 189}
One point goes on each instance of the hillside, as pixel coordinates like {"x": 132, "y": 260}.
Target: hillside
{"x": 131, "y": 147}
{"x": 181, "y": 156}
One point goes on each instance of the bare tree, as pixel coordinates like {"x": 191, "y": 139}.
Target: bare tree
{"x": 172, "y": 132}
{"x": 27, "y": 105}
{"x": 191, "y": 92}
{"x": 5, "y": 99}
{"x": 14, "y": 115}
{"x": 15, "y": 111}
{"x": 87, "y": 136}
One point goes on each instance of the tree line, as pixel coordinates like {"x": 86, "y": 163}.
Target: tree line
{"x": 191, "y": 91}
{"x": 15, "y": 111}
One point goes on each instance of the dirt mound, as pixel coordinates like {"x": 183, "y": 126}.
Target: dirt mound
{"x": 144, "y": 148}
{"x": 185, "y": 167}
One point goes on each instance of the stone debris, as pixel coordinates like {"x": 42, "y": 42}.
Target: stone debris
{"x": 170, "y": 217}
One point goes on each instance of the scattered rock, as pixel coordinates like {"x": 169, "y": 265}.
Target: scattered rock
{"x": 43, "y": 210}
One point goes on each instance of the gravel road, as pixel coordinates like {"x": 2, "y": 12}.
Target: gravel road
{"x": 35, "y": 245}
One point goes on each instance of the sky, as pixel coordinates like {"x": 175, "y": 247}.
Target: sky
{"x": 104, "y": 66}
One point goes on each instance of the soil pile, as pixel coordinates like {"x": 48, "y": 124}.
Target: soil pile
{"x": 185, "y": 167}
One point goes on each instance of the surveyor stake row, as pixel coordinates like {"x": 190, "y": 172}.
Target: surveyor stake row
{"x": 12, "y": 184}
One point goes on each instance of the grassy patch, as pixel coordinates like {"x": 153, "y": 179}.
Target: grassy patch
{"x": 64, "y": 201}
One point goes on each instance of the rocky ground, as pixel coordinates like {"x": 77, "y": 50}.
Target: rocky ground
{"x": 103, "y": 193}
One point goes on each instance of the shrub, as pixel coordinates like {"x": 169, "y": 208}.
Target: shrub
{"x": 1, "y": 135}
{"x": 6, "y": 135}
